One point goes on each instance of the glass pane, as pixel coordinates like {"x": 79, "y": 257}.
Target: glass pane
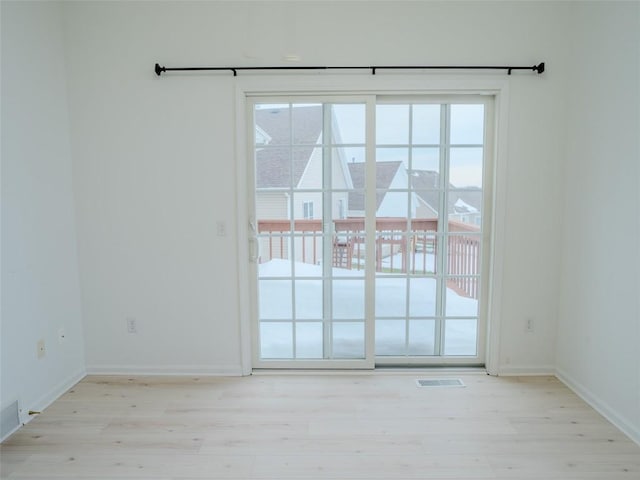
{"x": 425, "y": 205}
{"x": 392, "y": 250}
{"x": 465, "y": 168}
{"x": 309, "y": 340}
{"x": 460, "y": 337}
{"x": 348, "y": 246}
{"x": 391, "y": 337}
{"x": 275, "y": 299}
{"x": 339, "y": 205}
{"x": 391, "y": 297}
{"x": 392, "y": 124}
{"x": 309, "y": 299}
{"x": 426, "y": 124}
{"x": 421, "y": 337}
{"x": 465, "y": 210}
{"x": 272, "y": 125}
{"x": 461, "y": 297}
{"x": 345, "y": 261}
{"x": 422, "y": 297}
{"x": 341, "y": 178}
{"x": 392, "y": 154}
{"x": 467, "y": 124}
{"x": 348, "y": 339}
{"x": 273, "y": 167}
{"x": 274, "y": 250}
{"x": 308, "y": 252}
{"x": 307, "y": 167}
{"x": 353, "y": 155}
{"x": 272, "y": 206}
{"x": 348, "y": 123}
{"x": 348, "y": 299}
{"x": 422, "y": 250}
{"x": 276, "y": 340}
{"x": 355, "y": 199}
{"x": 307, "y": 124}
{"x": 308, "y": 206}
{"x": 392, "y": 165}
{"x": 307, "y": 240}
{"x": 464, "y": 257}
{"x": 393, "y": 204}
{"x": 426, "y": 159}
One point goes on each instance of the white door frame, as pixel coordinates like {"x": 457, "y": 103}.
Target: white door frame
{"x": 368, "y": 362}
{"x": 410, "y": 84}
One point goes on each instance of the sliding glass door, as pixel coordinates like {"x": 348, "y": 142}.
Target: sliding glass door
{"x": 429, "y": 174}
{"x": 311, "y": 288}
{"x": 367, "y": 231}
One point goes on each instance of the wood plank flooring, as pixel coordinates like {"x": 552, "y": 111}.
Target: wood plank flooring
{"x": 348, "y": 426}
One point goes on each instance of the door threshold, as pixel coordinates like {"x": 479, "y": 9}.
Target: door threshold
{"x": 383, "y": 370}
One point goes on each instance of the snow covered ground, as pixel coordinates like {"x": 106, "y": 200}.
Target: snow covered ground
{"x": 277, "y": 291}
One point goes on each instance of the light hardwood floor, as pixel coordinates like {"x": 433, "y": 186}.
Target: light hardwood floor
{"x": 350, "y": 426}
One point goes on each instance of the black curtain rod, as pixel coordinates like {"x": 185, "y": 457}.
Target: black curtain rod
{"x": 536, "y": 68}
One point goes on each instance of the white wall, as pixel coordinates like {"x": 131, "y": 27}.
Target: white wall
{"x": 599, "y": 320}
{"x": 40, "y": 289}
{"x": 154, "y": 170}
{"x": 154, "y": 157}
{"x": 154, "y": 164}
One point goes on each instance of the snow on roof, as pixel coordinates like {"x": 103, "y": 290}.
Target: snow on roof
{"x": 463, "y": 207}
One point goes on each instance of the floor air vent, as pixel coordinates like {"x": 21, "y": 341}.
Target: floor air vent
{"x": 440, "y": 382}
{"x": 9, "y": 420}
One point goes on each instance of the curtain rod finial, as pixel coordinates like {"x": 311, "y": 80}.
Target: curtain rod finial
{"x": 158, "y": 69}
{"x": 539, "y": 68}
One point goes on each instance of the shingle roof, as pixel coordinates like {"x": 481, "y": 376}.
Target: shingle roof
{"x": 423, "y": 183}
{"x": 287, "y": 129}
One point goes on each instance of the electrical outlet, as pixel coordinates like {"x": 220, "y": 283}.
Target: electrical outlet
{"x": 41, "y": 348}
{"x": 132, "y": 325}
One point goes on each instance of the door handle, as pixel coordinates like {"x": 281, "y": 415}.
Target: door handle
{"x": 254, "y": 249}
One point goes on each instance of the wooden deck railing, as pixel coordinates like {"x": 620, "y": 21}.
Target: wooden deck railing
{"x": 464, "y": 259}
{"x": 397, "y": 249}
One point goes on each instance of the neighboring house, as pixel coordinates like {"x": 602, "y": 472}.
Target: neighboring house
{"x": 289, "y": 155}
{"x": 280, "y": 165}
{"x": 389, "y": 175}
{"x": 463, "y": 205}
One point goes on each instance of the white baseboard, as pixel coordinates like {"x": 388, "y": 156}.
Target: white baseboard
{"x": 600, "y": 406}
{"x": 526, "y": 371}
{"x": 176, "y": 370}
{"x": 55, "y": 393}
{"x": 47, "y": 399}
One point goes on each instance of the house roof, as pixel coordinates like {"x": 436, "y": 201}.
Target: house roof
{"x": 424, "y": 182}
{"x": 278, "y": 164}
{"x": 385, "y": 172}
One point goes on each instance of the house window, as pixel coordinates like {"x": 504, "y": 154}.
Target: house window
{"x": 307, "y": 209}
{"x": 341, "y": 209}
